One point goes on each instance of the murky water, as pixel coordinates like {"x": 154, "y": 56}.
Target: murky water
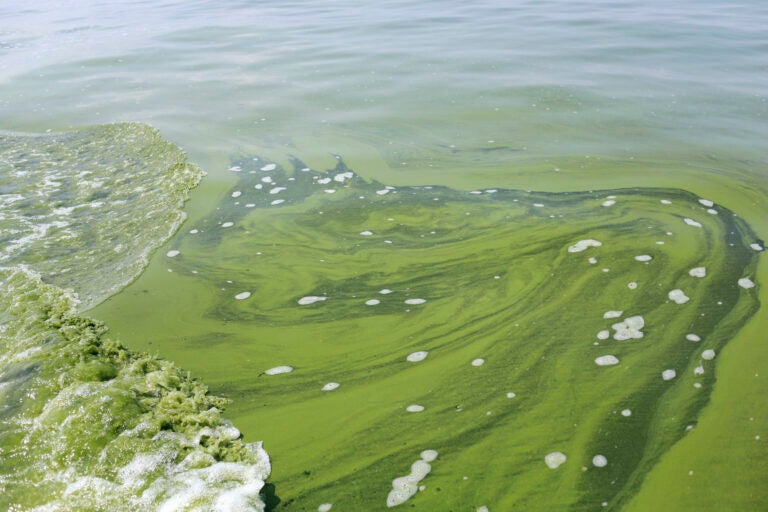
{"x": 387, "y": 181}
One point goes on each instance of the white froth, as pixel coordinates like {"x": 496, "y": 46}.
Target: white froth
{"x": 756, "y": 247}
{"x": 511, "y": 395}
{"x": 331, "y": 386}
{"x": 236, "y": 193}
{"x": 630, "y": 328}
{"x": 609, "y": 202}
{"x": 678, "y": 296}
{"x": 599, "y": 461}
{"x": 325, "y": 507}
{"x": 692, "y": 222}
{"x": 708, "y": 354}
{"x": 385, "y": 291}
{"x": 607, "y": 360}
{"x": 665, "y": 201}
{"x": 243, "y": 295}
{"x": 266, "y": 179}
{"x": 592, "y": 260}
{"x": 668, "y": 374}
{"x": 707, "y": 203}
{"x": 404, "y": 487}
{"x": 632, "y": 285}
{"x": 698, "y": 272}
{"x": 699, "y": 370}
{"x": 277, "y": 190}
{"x": 193, "y": 231}
{"x": 343, "y": 176}
{"x": 604, "y": 335}
{"x": 277, "y": 370}
{"x": 414, "y": 408}
{"x": 372, "y": 302}
{"x": 746, "y": 283}
{"x": 415, "y": 301}
{"x": 330, "y": 190}
{"x": 626, "y": 413}
{"x": 644, "y": 257}
{"x": 324, "y": 181}
{"x": 555, "y": 459}
{"x": 382, "y": 192}
{"x": 173, "y": 253}
{"x": 228, "y": 224}
{"x": 366, "y": 233}
{"x": 583, "y": 245}
{"x": 415, "y": 357}
{"x": 277, "y": 201}
{"x": 269, "y": 167}
{"x": 692, "y": 337}
{"x": 478, "y": 362}
{"x": 310, "y": 299}
{"x": 612, "y": 314}
{"x": 712, "y": 211}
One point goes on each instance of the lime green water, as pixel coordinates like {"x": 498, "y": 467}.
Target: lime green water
{"x": 511, "y": 314}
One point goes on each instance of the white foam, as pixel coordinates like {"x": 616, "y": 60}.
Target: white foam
{"x": 482, "y": 508}
{"x": 632, "y": 285}
{"x": 592, "y": 260}
{"x": 678, "y": 296}
{"x": 665, "y": 201}
{"x": 511, "y": 395}
{"x": 699, "y": 370}
{"x": 266, "y": 179}
{"x": 372, "y": 302}
{"x": 404, "y": 487}
{"x": 415, "y": 408}
{"x": 644, "y": 257}
{"x": 692, "y": 337}
{"x": 478, "y": 362}
{"x": 583, "y": 245}
{"x": 331, "y": 386}
{"x": 382, "y": 192}
{"x": 330, "y": 191}
{"x": 555, "y": 459}
{"x": 612, "y": 314}
{"x": 607, "y": 360}
{"x": 235, "y": 168}
{"x": 429, "y": 455}
{"x": 310, "y": 299}
{"x": 228, "y": 224}
{"x": 708, "y": 354}
{"x": 756, "y": 247}
{"x": 193, "y": 231}
{"x": 416, "y": 357}
{"x": 626, "y": 413}
{"x": 269, "y": 167}
{"x": 692, "y": 222}
{"x": 277, "y": 202}
{"x": 746, "y": 283}
{"x": 277, "y": 190}
{"x": 538, "y": 205}
{"x": 599, "y": 461}
{"x": 707, "y": 203}
{"x": 630, "y": 328}
{"x": 698, "y": 272}
{"x": 343, "y": 176}
{"x": 277, "y": 370}
{"x": 385, "y": 291}
{"x": 173, "y": 253}
{"x": 604, "y": 335}
{"x": 258, "y": 186}
{"x": 324, "y": 181}
{"x": 366, "y": 233}
{"x": 712, "y": 211}
{"x": 325, "y": 507}
{"x": 243, "y": 295}
{"x": 610, "y": 202}
{"x": 236, "y": 193}
{"x": 668, "y": 374}
{"x": 415, "y": 301}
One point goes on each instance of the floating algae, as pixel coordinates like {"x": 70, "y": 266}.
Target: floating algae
{"x": 84, "y": 423}
{"x": 512, "y": 301}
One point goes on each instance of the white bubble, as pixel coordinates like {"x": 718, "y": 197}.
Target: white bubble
{"x": 604, "y": 335}
{"x": 236, "y": 193}
{"x": 644, "y": 257}
{"x": 416, "y": 357}
{"x": 331, "y": 386}
{"x": 310, "y": 299}
{"x": 668, "y": 374}
{"x": 692, "y": 337}
{"x": 692, "y": 222}
{"x": 746, "y": 283}
{"x": 707, "y": 203}
{"x": 665, "y": 201}
{"x": 612, "y": 314}
{"x": 277, "y": 190}
{"x": 599, "y": 461}
{"x": 385, "y": 291}
{"x": 243, "y": 295}
{"x": 626, "y": 413}
{"x": 756, "y": 247}
{"x": 277, "y": 201}
{"x": 607, "y": 360}
{"x": 478, "y": 362}
{"x": 632, "y": 285}
{"x": 583, "y": 245}
{"x": 678, "y": 296}
{"x": 366, "y": 233}
{"x": 555, "y": 459}
{"x": 325, "y": 507}
{"x": 173, "y": 253}
{"x": 415, "y": 408}
{"x": 415, "y": 301}
{"x": 193, "y": 231}
{"x": 429, "y": 455}
{"x": 610, "y": 202}
{"x": 277, "y": 370}
{"x": 228, "y": 224}
{"x": 708, "y": 354}
{"x": 511, "y": 395}
{"x": 269, "y": 167}
{"x": 698, "y": 272}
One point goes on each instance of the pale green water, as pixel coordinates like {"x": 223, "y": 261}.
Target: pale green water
{"x": 642, "y": 101}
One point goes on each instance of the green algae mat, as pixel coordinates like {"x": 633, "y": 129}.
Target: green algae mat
{"x": 437, "y": 349}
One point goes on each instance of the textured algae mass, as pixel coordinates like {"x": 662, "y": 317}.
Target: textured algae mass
{"x": 506, "y": 291}
{"x": 84, "y": 423}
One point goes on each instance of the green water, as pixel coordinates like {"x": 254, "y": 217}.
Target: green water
{"x": 499, "y": 284}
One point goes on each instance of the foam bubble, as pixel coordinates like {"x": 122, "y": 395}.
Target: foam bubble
{"x": 746, "y": 283}
{"x": 236, "y": 193}
{"x": 243, "y": 295}
{"x": 385, "y": 291}
{"x": 415, "y": 301}
{"x": 630, "y": 328}
{"x": 708, "y": 354}
{"x": 366, "y": 233}
{"x": 277, "y": 202}
{"x": 698, "y": 272}
{"x": 277, "y": 370}
{"x": 756, "y": 247}
{"x": 269, "y": 167}
{"x": 415, "y": 408}
{"x": 416, "y": 357}
{"x": 665, "y": 201}
{"x": 692, "y": 222}
{"x": 599, "y": 461}
{"x": 277, "y": 190}
{"x": 668, "y": 374}
{"x": 609, "y": 202}
{"x": 644, "y": 257}
{"x": 511, "y": 395}
{"x": 604, "y": 335}
{"x": 372, "y": 302}
{"x": 228, "y": 224}
{"x": 404, "y": 487}
{"x": 173, "y": 253}
{"x": 707, "y": 203}
{"x": 612, "y": 314}
{"x": 607, "y": 360}
{"x": 632, "y": 285}
{"x": 678, "y": 296}
{"x": 583, "y": 245}
{"x": 555, "y": 459}
{"x": 692, "y": 337}
{"x": 331, "y": 386}
{"x": 325, "y": 507}
{"x": 310, "y": 299}
{"x": 478, "y": 362}
{"x": 626, "y": 413}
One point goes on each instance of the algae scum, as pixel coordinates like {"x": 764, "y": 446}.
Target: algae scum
{"x": 393, "y": 346}
{"x": 542, "y": 350}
